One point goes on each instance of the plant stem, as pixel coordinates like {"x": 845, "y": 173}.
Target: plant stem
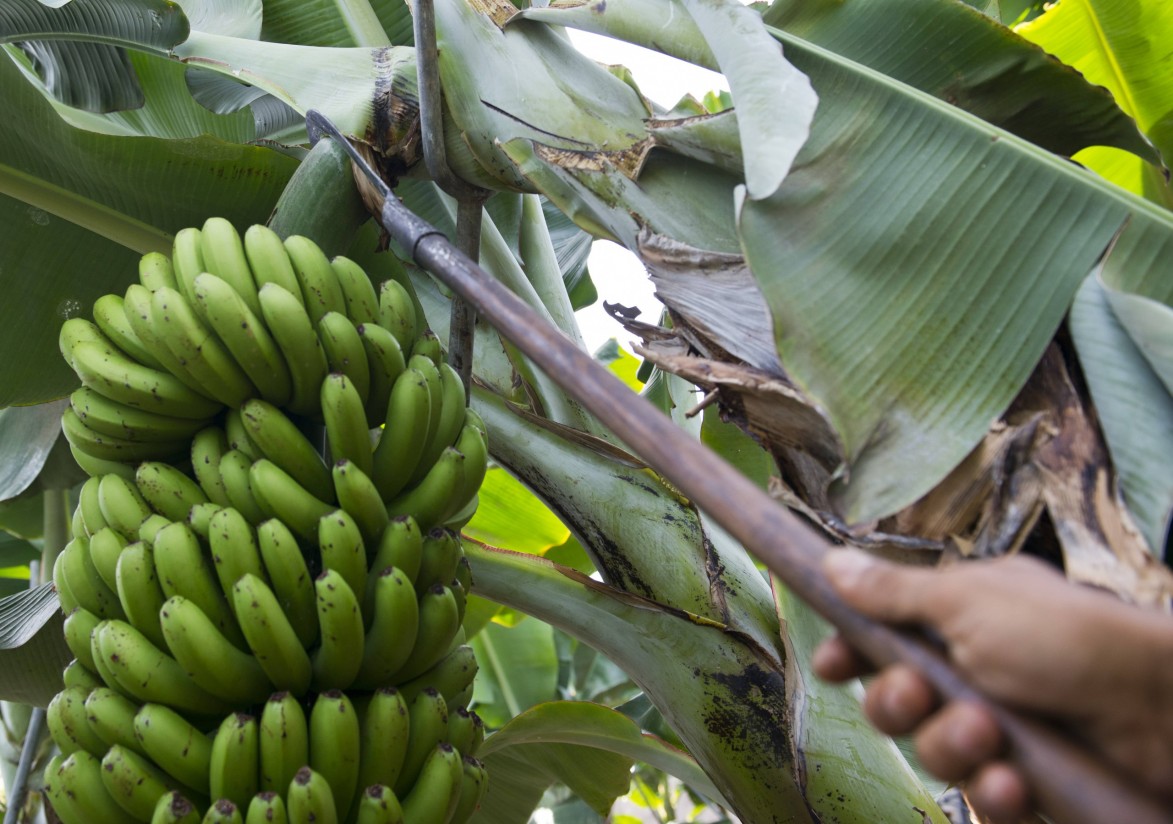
{"x": 56, "y": 529}
{"x": 362, "y": 23}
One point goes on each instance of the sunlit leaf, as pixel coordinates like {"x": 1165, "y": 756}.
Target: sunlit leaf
{"x": 509, "y": 516}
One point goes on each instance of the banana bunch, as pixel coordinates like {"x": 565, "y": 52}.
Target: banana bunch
{"x": 262, "y": 633}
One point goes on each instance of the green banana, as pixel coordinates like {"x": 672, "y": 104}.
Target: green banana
{"x": 236, "y": 475}
{"x": 392, "y": 632}
{"x": 109, "y": 417}
{"x": 140, "y": 669}
{"x": 346, "y": 422}
{"x": 84, "y": 583}
{"x": 167, "y": 490}
{"x": 439, "y": 560}
{"x": 461, "y": 729}
{"x": 475, "y": 449}
{"x": 387, "y": 362}
{"x": 154, "y": 270}
{"x": 342, "y": 549}
{"x": 69, "y": 726}
{"x": 339, "y": 655}
{"x": 378, "y": 805}
{"x": 235, "y": 759}
{"x": 173, "y": 808}
{"x": 334, "y": 746}
{"x": 139, "y": 590}
{"x": 105, "y": 546}
{"x": 109, "y": 447}
{"x": 140, "y": 313}
{"x": 451, "y": 418}
{"x": 149, "y": 528}
{"x": 224, "y": 257}
{"x": 178, "y": 747}
{"x": 428, "y": 345}
{"x": 198, "y": 349}
{"x": 238, "y": 437}
{"x": 290, "y": 577}
{"x": 357, "y": 495}
{"x": 126, "y": 381}
{"x": 238, "y": 325}
{"x": 400, "y": 546}
{"x": 319, "y": 284}
{"x": 77, "y": 526}
{"x": 344, "y": 350}
{"x": 284, "y": 741}
{"x": 270, "y": 636}
{"x": 187, "y": 260}
{"x": 75, "y": 789}
{"x": 434, "y": 497}
{"x": 184, "y": 569}
{"x": 266, "y": 808}
{"x": 397, "y": 313}
{"x": 122, "y": 506}
{"x": 426, "y": 367}
{"x": 210, "y": 659}
{"x": 235, "y": 553}
{"x": 310, "y": 799}
{"x": 223, "y": 812}
{"x": 427, "y": 726}
{"x": 133, "y": 782}
{"x": 464, "y": 574}
{"x": 281, "y": 442}
{"x": 362, "y": 304}
{"x": 280, "y": 496}
{"x": 286, "y": 318}
{"x": 384, "y": 738}
{"x": 111, "y": 717}
{"x": 404, "y": 436}
{"x": 473, "y": 783}
{"x": 269, "y": 261}
{"x": 439, "y": 620}
{"x": 111, "y": 317}
{"x": 77, "y": 331}
{"x": 461, "y": 596}
{"x": 200, "y": 518}
{"x": 65, "y": 596}
{"x": 207, "y": 448}
{"x": 451, "y": 675}
{"x": 436, "y": 792}
{"x": 91, "y": 510}
{"x": 77, "y": 674}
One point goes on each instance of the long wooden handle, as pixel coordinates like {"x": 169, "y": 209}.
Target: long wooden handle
{"x": 1067, "y": 782}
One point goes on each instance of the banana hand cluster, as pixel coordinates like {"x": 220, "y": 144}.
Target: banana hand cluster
{"x": 262, "y": 633}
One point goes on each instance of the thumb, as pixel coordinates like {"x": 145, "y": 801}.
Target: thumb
{"x": 889, "y": 592}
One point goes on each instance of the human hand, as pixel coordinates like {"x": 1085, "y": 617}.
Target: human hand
{"x": 1021, "y": 634}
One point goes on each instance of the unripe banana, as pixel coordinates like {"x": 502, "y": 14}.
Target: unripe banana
{"x": 427, "y": 727}
{"x": 378, "y": 805}
{"x": 284, "y": 741}
{"x": 362, "y": 304}
{"x": 122, "y": 506}
{"x": 200, "y": 518}
{"x": 384, "y": 738}
{"x": 198, "y": 348}
{"x": 319, "y": 284}
{"x": 69, "y": 726}
{"x": 235, "y": 759}
{"x": 154, "y": 270}
{"x": 224, "y": 257}
{"x": 112, "y": 448}
{"x": 207, "y": 447}
{"x": 334, "y": 746}
{"x": 280, "y": 496}
{"x": 167, "y": 490}
{"x": 439, "y": 560}
{"x": 344, "y": 350}
{"x": 77, "y": 331}
{"x": 111, "y": 717}
{"x": 184, "y": 569}
{"x": 236, "y": 474}
{"x": 346, "y": 422}
{"x": 290, "y": 578}
{"x": 208, "y": 658}
{"x": 461, "y": 600}
{"x": 475, "y": 449}
{"x": 133, "y": 782}
{"x": 110, "y": 315}
{"x": 404, "y": 436}
{"x": 474, "y": 782}
{"x": 310, "y": 799}
{"x": 387, "y": 362}
{"x": 77, "y": 526}
{"x": 77, "y": 674}
{"x": 141, "y": 314}
{"x": 439, "y": 620}
{"x": 461, "y": 729}
{"x": 240, "y": 328}
{"x": 109, "y": 417}
{"x": 282, "y": 442}
{"x": 238, "y": 437}
{"x": 65, "y": 596}
{"x": 357, "y": 495}
{"x": 428, "y": 345}
{"x": 397, "y": 313}
{"x": 270, "y": 636}
{"x": 129, "y": 382}
{"x": 269, "y": 261}
{"x": 401, "y": 546}
{"x": 187, "y": 260}
{"x": 436, "y": 791}
{"x": 91, "y": 510}
{"x": 234, "y": 550}
{"x": 391, "y": 636}
{"x": 149, "y": 528}
{"x": 266, "y": 808}
{"x": 451, "y": 418}
{"x": 339, "y": 655}
{"x": 426, "y": 367}
{"x": 75, "y": 789}
{"x": 175, "y": 745}
{"x": 143, "y": 671}
{"x": 173, "y": 808}
{"x": 139, "y": 590}
{"x": 435, "y": 497}
{"x": 450, "y": 676}
{"x": 83, "y": 582}
{"x": 464, "y": 574}
{"x": 223, "y": 812}
{"x": 286, "y": 318}
{"x": 105, "y": 546}
{"x": 342, "y": 549}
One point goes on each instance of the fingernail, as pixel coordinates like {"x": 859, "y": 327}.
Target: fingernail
{"x": 847, "y": 567}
